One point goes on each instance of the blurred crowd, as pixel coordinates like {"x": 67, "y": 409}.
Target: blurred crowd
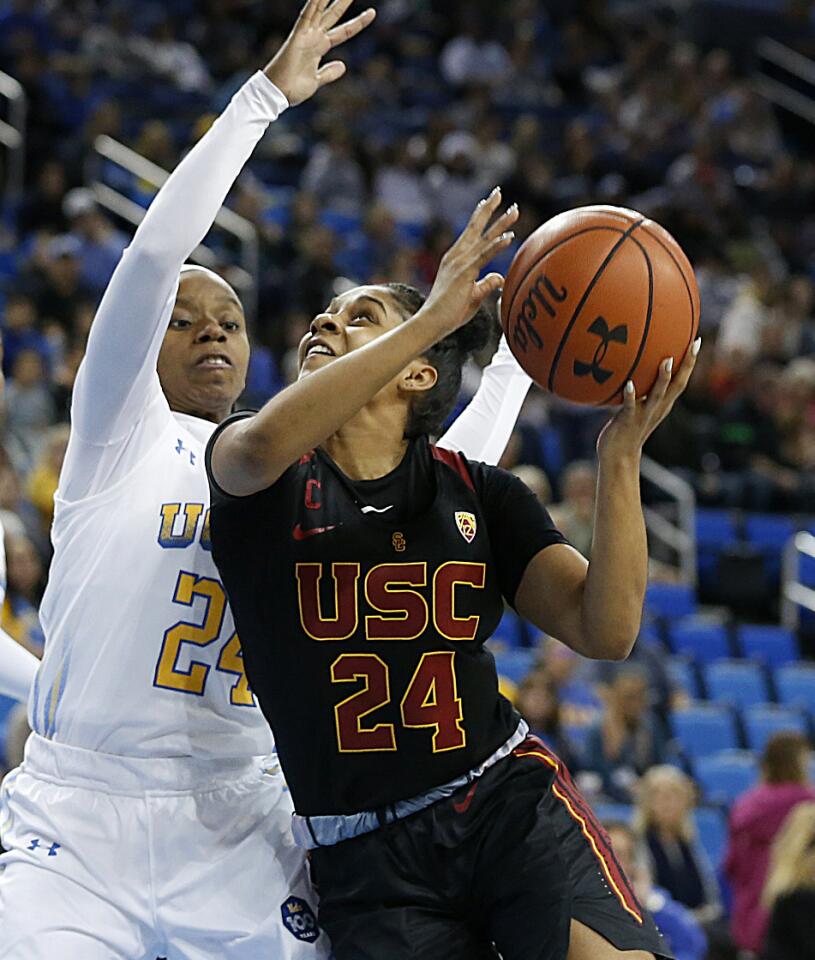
{"x": 563, "y": 103}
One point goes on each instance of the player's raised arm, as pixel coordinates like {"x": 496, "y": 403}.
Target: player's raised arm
{"x": 251, "y": 454}
{"x": 118, "y": 377}
{"x": 483, "y": 429}
{"x": 596, "y": 607}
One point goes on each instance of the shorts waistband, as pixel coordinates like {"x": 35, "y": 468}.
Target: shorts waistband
{"x": 325, "y": 831}
{"x": 134, "y": 776}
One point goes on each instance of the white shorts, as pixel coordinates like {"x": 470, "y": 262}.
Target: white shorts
{"x": 116, "y": 858}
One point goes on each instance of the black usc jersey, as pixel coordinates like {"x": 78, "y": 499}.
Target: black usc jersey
{"x": 363, "y": 609}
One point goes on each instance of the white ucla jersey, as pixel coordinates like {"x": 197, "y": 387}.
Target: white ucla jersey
{"x": 141, "y": 655}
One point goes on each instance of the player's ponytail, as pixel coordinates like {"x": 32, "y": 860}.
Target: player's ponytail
{"x": 431, "y": 409}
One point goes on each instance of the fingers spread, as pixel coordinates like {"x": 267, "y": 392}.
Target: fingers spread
{"x": 330, "y": 72}
{"x": 481, "y": 216}
{"x": 333, "y": 14}
{"x": 345, "y": 31}
{"x": 310, "y": 12}
{"x": 503, "y": 223}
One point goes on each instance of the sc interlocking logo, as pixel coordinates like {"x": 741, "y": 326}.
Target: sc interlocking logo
{"x": 299, "y": 919}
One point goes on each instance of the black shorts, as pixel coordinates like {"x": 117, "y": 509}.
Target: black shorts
{"x": 499, "y": 869}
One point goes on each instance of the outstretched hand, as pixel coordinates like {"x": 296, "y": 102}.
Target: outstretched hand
{"x": 457, "y": 292}
{"x": 628, "y": 430}
{"x": 295, "y": 69}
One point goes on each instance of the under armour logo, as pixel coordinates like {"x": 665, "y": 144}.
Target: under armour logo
{"x": 607, "y": 336}
{"x": 180, "y": 448}
{"x": 35, "y": 845}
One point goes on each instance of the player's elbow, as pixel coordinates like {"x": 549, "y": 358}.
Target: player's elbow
{"x": 612, "y": 639}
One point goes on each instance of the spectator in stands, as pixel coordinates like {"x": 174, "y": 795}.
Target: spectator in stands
{"x": 755, "y": 821}
{"x": 538, "y": 703}
{"x": 333, "y": 175}
{"x": 44, "y": 478}
{"x": 474, "y": 55}
{"x": 42, "y": 209}
{"x": 676, "y": 923}
{"x": 29, "y": 404}
{"x": 789, "y": 894}
{"x": 21, "y": 331}
{"x": 56, "y": 282}
{"x": 20, "y": 614}
{"x": 665, "y": 802}
{"x": 400, "y": 186}
{"x": 100, "y": 244}
{"x": 628, "y": 739}
{"x": 536, "y": 480}
{"x": 574, "y": 515}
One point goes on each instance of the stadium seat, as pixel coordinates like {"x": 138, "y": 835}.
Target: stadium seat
{"x": 726, "y": 775}
{"x": 671, "y": 600}
{"x": 683, "y": 676}
{"x": 607, "y": 812}
{"x": 711, "y": 826}
{"x": 769, "y": 533}
{"x": 774, "y": 646}
{"x": 715, "y": 530}
{"x": 762, "y": 721}
{"x": 514, "y": 664}
{"x": 508, "y": 632}
{"x": 703, "y": 640}
{"x": 795, "y": 685}
{"x": 702, "y": 729}
{"x": 737, "y": 682}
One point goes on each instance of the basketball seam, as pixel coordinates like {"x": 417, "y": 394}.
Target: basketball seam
{"x": 646, "y": 326}
{"x": 694, "y": 320}
{"x": 519, "y": 284}
{"x": 586, "y": 293}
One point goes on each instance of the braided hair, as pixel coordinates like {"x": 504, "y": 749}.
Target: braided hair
{"x": 431, "y": 408}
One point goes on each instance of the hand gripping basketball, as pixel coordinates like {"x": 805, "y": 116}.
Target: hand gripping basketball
{"x": 628, "y": 430}
{"x": 457, "y": 292}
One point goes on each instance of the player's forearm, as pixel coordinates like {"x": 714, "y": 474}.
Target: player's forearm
{"x": 17, "y": 668}
{"x": 484, "y": 428}
{"x": 251, "y": 454}
{"x": 186, "y": 206}
{"x": 618, "y": 571}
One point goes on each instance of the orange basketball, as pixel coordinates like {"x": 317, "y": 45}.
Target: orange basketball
{"x": 598, "y": 296}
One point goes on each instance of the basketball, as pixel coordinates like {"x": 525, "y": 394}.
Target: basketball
{"x": 598, "y": 296}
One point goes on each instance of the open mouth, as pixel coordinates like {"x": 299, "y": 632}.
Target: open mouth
{"x": 214, "y": 361}
{"x": 319, "y": 348}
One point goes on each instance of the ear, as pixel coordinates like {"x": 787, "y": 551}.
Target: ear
{"x": 418, "y": 377}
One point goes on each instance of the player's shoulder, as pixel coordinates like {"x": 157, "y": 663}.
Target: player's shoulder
{"x": 482, "y": 478}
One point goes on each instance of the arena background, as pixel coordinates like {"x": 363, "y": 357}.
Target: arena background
{"x": 698, "y": 114}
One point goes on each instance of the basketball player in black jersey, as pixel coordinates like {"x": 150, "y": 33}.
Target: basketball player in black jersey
{"x": 366, "y": 568}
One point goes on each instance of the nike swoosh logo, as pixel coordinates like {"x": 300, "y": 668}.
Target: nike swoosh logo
{"x": 464, "y": 806}
{"x": 377, "y": 509}
{"x": 300, "y": 534}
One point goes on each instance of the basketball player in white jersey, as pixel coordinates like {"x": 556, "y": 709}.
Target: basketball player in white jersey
{"x": 145, "y": 821}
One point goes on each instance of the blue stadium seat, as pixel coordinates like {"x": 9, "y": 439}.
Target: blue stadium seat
{"x": 715, "y": 530}
{"x": 774, "y": 646}
{"x": 769, "y": 533}
{"x": 795, "y": 685}
{"x": 340, "y": 222}
{"x": 738, "y": 682}
{"x": 763, "y": 720}
{"x": 515, "y": 664}
{"x": 606, "y": 812}
{"x": 726, "y": 775}
{"x": 702, "y": 640}
{"x": 683, "y": 676}
{"x": 671, "y": 600}
{"x": 508, "y": 631}
{"x": 711, "y": 825}
{"x": 702, "y": 729}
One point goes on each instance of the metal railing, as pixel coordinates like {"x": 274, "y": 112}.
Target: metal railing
{"x": 678, "y": 535}
{"x": 245, "y": 278}
{"x": 794, "y": 593}
{"x": 12, "y": 135}
{"x": 779, "y": 91}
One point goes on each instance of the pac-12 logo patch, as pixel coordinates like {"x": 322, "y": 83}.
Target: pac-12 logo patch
{"x": 299, "y": 919}
{"x": 467, "y": 525}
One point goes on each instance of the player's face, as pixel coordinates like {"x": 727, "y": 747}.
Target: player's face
{"x": 205, "y": 355}
{"x": 349, "y": 322}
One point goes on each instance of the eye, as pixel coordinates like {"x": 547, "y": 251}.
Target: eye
{"x": 179, "y": 323}
{"x": 231, "y": 325}
{"x": 362, "y": 318}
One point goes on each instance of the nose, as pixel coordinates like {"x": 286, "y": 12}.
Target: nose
{"x": 210, "y": 331}
{"x": 324, "y": 323}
